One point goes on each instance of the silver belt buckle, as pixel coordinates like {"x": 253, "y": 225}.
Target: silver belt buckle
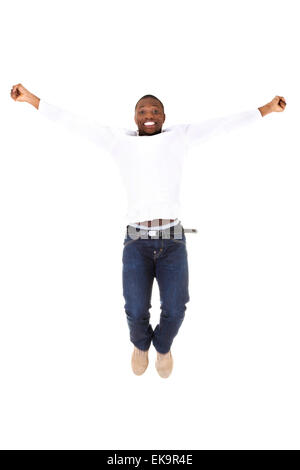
{"x": 152, "y": 233}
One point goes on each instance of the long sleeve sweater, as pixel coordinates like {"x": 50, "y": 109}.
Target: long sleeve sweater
{"x": 150, "y": 166}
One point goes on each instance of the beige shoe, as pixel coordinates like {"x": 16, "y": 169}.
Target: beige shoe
{"x": 164, "y": 364}
{"x": 139, "y": 361}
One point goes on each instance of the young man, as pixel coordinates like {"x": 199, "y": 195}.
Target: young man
{"x": 154, "y": 245}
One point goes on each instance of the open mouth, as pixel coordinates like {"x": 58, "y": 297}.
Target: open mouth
{"x": 149, "y": 124}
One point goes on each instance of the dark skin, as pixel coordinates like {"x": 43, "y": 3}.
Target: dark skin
{"x": 149, "y": 109}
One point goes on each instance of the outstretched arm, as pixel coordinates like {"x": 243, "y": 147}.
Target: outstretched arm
{"x": 196, "y": 133}
{"x": 102, "y": 136}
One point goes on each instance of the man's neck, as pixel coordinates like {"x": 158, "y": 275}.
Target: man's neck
{"x": 149, "y": 135}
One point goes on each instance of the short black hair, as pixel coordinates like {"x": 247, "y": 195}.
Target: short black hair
{"x": 149, "y": 96}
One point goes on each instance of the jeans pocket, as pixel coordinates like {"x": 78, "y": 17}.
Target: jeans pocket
{"x": 128, "y": 240}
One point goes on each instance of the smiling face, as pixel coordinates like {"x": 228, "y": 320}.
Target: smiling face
{"x": 149, "y": 110}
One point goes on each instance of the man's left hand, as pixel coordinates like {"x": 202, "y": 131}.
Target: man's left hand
{"x": 277, "y": 104}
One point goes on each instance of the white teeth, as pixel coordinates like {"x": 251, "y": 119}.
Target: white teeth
{"x": 150, "y": 123}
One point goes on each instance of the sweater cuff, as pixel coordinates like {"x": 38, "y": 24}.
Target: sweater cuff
{"x": 49, "y": 110}
{"x": 259, "y": 115}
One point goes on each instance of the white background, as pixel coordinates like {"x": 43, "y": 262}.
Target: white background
{"x": 66, "y": 379}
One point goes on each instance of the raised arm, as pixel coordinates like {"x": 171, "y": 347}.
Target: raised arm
{"x": 102, "y": 136}
{"x": 200, "y": 132}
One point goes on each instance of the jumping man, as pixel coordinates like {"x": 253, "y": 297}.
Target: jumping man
{"x": 154, "y": 243}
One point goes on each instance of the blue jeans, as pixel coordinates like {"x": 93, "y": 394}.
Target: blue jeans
{"x": 166, "y": 260}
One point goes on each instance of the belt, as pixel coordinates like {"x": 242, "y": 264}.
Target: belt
{"x": 159, "y": 222}
{"x": 176, "y": 231}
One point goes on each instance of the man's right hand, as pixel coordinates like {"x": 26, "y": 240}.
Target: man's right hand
{"x": 20, "y": 93}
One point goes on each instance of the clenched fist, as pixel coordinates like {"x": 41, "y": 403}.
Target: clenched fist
{"x": 20, "y": 93}
{"x": 278, "y": 104}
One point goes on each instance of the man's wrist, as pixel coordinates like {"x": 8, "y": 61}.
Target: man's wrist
{"x": 266, "y": 109}
{"x": 34, "y": 100}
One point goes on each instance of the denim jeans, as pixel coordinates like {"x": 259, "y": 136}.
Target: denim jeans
{"x": 166, "y": 260}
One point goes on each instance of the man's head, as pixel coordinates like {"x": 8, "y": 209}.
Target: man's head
{"x": 149, "y": 109}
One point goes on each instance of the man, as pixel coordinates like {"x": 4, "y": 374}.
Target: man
{"x": 155, "y": 243}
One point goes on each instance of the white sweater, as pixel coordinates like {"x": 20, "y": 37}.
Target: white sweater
{"x": 150, "y": 166}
